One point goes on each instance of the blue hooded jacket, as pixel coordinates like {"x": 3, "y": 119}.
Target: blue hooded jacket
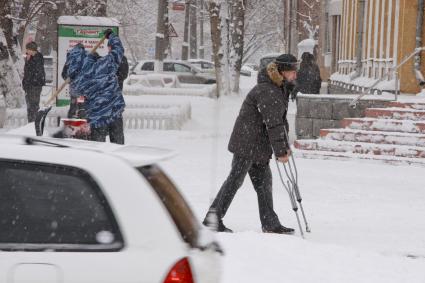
{"x": 98, "y": 82}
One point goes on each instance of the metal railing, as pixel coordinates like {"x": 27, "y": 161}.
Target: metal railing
{"x": 371, "y": 89}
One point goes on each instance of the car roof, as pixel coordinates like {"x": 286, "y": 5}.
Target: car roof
{"x": 135, "y": 155}
{"x": 271, "y": 55}
{"x": 173, "y": 61}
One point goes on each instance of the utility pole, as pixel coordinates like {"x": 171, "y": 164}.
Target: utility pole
{"x": 193, "y": 30}
{"x": 161, "y": 30}
{"x": 185, "y": 47}
{"x": 201, "y": 32}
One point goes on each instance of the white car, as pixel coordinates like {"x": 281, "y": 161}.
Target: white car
{"x": 186, "y": 72}
{"x": 204, "y": 65}
{"x": 78, "y": 211}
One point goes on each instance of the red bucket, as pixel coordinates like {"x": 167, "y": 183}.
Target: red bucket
{"x": 76, "y": 128}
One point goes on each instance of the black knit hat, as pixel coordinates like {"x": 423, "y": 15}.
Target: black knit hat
{"x": 31, "y": 46}
{"x": 286, "y": 62}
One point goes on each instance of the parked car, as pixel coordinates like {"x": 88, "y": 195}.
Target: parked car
{"x": 247, "y": 71}
{"x": 79, "y": 211}
{"x": 185, "y": 71}
{"x": 252, "y": 66}
{"x": 204, "y": 65}
{"x": 48, "y": 68}
{"x": 266, "y": 59}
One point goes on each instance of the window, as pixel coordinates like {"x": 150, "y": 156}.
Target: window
{"x": 148, "y": 66}
{"x": 181, "y": 68}
{"x": 44, "y": 206}
{"x": 175, "y": 204}
{"x": 168, "y": 67}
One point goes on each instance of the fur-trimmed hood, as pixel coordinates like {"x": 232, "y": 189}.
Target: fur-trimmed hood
{"x": 270, "y": 74}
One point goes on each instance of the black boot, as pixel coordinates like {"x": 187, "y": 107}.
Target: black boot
{"x": 279, "y": 230}
{"x": 218, "y": 227}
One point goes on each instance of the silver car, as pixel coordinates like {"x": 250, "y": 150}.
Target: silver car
{"x": 185, "y": 72}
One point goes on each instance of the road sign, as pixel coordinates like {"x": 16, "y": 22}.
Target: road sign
{"x": 179, "y": 6}
{"x": 172, "y": 31}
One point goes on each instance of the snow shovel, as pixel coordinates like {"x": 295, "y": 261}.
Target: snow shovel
{"x": 42, "y": 113}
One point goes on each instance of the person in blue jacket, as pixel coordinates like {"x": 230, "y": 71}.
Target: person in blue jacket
{"x": 98, "y": 82}
{"x": 73, "y": 65}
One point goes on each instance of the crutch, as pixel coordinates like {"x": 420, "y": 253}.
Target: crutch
{"x": 290, "y": 189}
{"x": 293, "y": 178}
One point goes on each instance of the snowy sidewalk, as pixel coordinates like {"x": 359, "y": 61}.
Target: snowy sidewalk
{"x": 365, "y": 218}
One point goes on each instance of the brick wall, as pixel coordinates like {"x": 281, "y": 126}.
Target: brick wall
{"x": 315, "y": 112}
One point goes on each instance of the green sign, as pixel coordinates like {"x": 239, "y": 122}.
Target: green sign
{"x": 83, "y": 31}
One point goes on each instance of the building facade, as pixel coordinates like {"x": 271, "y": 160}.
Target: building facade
{"x": 366, "y": 39}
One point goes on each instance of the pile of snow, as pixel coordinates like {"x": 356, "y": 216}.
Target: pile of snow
{"x": 165, "y": 84}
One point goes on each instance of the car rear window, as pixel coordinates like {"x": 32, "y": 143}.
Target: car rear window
{"x": 173, "y": 201}
{"x": 148, "y": 66}
{"x": 44, "y": 206}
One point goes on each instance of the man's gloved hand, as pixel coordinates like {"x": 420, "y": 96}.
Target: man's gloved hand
{"x": 107, "y": 33}
{"x": 285, "y": 158}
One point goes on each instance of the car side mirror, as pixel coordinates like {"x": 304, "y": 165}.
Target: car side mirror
{"x": 193, "y": 71}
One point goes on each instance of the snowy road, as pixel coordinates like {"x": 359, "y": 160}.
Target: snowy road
{"x": 366, "y": 218}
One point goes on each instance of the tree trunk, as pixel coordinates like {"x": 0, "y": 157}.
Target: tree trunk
{"x": 160, "y": 35}
{"x": 238, "y": 28}
{"x": 185, "y": 47}
{"x": 214, "y": 11}
{"x": 226, "y": 44}
{"x": 7, "y": 25}
{"x": 201, "y": 31}
{"x": 193, "y": 30}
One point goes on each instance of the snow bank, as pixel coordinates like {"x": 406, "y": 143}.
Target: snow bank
{"x": 164, "y": 84}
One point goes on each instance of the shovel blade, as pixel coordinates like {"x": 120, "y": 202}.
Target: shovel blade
{"x": 39, "y": 120}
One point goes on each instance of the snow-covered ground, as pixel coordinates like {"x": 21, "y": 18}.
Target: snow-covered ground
{"x": 366, "y": 218}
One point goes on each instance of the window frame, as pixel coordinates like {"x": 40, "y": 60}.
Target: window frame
{"x": 116, "y": 246}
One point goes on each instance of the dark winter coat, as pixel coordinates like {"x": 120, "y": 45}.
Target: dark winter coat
{"x": 98, "y": 82}
{"x": 308, "y": 76}
{"x": 122, "y": 71}
{"x": 259, "y": 129}
{"x": 34, "y": 74}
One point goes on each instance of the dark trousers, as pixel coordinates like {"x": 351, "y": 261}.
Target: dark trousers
{"x": 32, "y": 98}
{"x": 115, "y": 131}
{"x": 261, "y": 178}
{"x": 72, "y": 112}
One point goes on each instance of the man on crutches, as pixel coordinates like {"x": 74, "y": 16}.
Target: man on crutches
{"x": 258, "y": 132}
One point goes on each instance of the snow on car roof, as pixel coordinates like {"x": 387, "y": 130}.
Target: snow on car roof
{"x": 88, "y": 21}
{"x": 136, "y": 155}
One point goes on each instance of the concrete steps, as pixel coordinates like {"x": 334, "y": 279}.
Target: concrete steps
{"x": 329, "y": 155}
{"x": 361, "y": 148}
{"x": 396, "y": 113}
{"x": 378, "y": 137}
{"x": 411, "y": 105}
{"x": 395, "y": 135}
{"x": 388, "y": 125}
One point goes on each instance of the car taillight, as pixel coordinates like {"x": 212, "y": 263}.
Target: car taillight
{"x": 180, "y": 273}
